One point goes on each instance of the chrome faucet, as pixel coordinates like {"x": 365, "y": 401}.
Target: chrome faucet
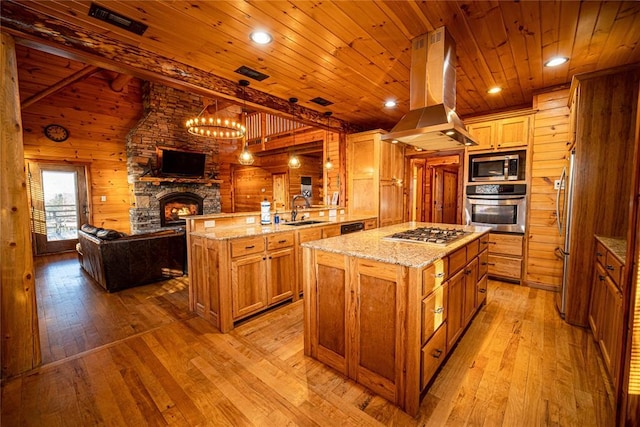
{"x": 294, "y": 208}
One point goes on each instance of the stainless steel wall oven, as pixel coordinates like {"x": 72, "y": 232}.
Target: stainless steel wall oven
{"x": 502, "y": 207}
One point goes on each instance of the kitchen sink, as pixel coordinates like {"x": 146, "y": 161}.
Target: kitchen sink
{"x": 307, "y": 222}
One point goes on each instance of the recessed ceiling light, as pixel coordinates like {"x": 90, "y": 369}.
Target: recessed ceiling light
{"x": 394, "y": 141}
{"x": 494, "y": 90}
{"x": 390, "y": 103}
{"x": 261, "y": 37}
{"x": 450, "y": 132}
{"x": 554, "y": 62}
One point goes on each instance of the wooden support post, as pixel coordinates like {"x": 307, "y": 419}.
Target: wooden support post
{"x": 20, "y": 346}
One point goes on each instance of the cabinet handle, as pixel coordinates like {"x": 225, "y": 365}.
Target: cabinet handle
{"x": 467, "y": 271}
{"x": 601, "y": 277}
{"x": 485, "y": 243}
{"x": 437, "y": 353}
{"x": 282, "y": 241}
{"x": 610, "y": 267}
{"x": 250, "y": 247}
{"x": 493, "y": 243}
{"x": 484, "y": 263}
{"x": 599, "y": 254}
{"x": 270, "y": 257}
{"x": 482, "y": 290}
{"x": 491, "y": 263}
{"x": 438, "y": 310}
{"x": 439, "y": 275}
{"x": 264, "y": 258}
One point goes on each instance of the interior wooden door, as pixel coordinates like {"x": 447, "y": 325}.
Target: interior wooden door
{"x": 59, "y": 205}
{"x": 280, "y": 193}
{"x": 437, "y": 188}
{"x": 417, "y": 199}
{"x": 449, "y": 196}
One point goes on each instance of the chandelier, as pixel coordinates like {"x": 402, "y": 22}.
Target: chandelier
{"x": 214, "y": 126}
{"x": 294, "y": 161}
{"x": 245, "y": 157}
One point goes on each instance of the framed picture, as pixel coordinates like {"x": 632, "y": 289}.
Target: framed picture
{"x": 334, "y": 199}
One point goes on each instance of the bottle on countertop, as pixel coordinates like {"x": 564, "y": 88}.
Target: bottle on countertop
{"x": 265, "y": 212}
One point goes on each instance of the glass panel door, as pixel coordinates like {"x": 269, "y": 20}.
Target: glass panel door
{"x": 58, "y": 206}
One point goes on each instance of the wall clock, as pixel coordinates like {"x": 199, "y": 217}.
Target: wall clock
{"x": 56, "y": 133}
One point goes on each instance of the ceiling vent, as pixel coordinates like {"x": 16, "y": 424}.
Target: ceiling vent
{"x": 251, "y": 73}
{"x": 116, "y": 19}
{"x": 321, "y": 101}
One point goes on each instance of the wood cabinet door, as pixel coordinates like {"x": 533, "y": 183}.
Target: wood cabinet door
{"x": 513, "y": 132}
{"x": 455, "y": 305}
{"x": 329, "y": 300}
{"x": 380, "y": 307}
{"x": 280, "y": 275}
{"x": 598, "y": 290}
{"x": 391, "y": 203}
{"x": 305, "y": 235}
{"x": 611, "y": 329}
{"x": 470, "y": 290}
{"x": 481, "y": 296}
{"x": 484, "y": 134}
{"x": 248, "y": 290}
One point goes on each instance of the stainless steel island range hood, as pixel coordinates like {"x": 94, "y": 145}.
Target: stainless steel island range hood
{"x": 432, "y": 123}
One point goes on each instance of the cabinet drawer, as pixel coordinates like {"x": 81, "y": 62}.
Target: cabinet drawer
{"x": 434, "y": 275}
{"x": 614, "y": 269}
{"x": 280, "y": 240}
{"x": 483, "y": 265}
{"x": 457, "y": 260}
{"x": 309, "y": 234}
{"x": 601, "y": 253}
{"x": 472, "y": 249}
{"x": 331, "y": 231}
{"x": 434, "y": 312}
{"x": 370, "y": 223}
{"x": 484, "y": 242}
{"x": 506, "y": 244}
{"x": 432, "y": 355}
{"x": 247, "y": 246}
{"x": 505, "y": 267}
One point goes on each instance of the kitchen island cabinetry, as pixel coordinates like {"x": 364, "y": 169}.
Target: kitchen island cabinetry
{"x": 606, "y": 314}
{"x": 378, "y": 311}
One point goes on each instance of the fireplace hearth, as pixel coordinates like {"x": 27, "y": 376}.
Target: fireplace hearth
{"x": 175, "y": 205}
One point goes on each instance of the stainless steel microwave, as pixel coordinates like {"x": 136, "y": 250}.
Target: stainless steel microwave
{"x": 505, "y": 167}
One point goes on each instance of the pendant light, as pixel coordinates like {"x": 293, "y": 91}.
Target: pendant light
{"x": 327, "y": 165}
{"x": 245, "y": 157}
{"x": 294, "y": 161}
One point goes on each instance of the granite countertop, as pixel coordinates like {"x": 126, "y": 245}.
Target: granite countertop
{"x": 615, "y": 245}
{"x": 371, "y": 245}
{"x": 249, "y": 230}
{"x": 301, "y": 210}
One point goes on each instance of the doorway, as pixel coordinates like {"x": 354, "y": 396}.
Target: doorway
{"x": 59, "y": 205}
{"x": 436, "y": 186}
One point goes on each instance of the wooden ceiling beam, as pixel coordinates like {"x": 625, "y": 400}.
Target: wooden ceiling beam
{"x": 55, "y": 36}
{"x": 73, "y": 78}
{"x": 119, "y": 82}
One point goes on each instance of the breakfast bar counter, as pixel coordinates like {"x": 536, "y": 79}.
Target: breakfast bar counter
{"x": 386, "y": 312}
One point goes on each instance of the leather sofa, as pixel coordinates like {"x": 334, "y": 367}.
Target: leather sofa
{"x": 117, "y": 261}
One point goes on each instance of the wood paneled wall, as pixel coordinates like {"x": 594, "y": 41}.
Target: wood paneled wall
{"x": 332, "y": 176}
{"x": 98, "y": 120}
{"x": 548, "y": 150}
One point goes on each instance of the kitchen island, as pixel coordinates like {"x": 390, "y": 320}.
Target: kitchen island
{"x": 387, "y": 312}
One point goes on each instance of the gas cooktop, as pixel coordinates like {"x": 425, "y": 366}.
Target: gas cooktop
{"x": 439, "y": 236}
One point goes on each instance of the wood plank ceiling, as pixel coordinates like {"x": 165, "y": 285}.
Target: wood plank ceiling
{"x": 356, "y": 54}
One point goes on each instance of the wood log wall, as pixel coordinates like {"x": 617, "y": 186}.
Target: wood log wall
{"x": 20, "y": 345}
{"x": 98, "y": 120}
{"x": 549, "y": 147}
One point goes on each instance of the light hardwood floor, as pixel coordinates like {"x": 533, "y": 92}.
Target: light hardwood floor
{"x": 138, "y": 358}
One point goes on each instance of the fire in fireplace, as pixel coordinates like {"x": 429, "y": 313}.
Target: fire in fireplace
{"x": 176, "y": 205}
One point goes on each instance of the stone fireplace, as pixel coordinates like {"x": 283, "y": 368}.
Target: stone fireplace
{"x": 165, "y": 111}
{"x": 175, "y": 205}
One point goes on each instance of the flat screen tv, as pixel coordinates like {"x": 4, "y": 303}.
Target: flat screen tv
{"x": 180, "y": 163}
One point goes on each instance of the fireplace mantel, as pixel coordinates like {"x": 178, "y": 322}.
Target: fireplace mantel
{"x": 160, "y": 180}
